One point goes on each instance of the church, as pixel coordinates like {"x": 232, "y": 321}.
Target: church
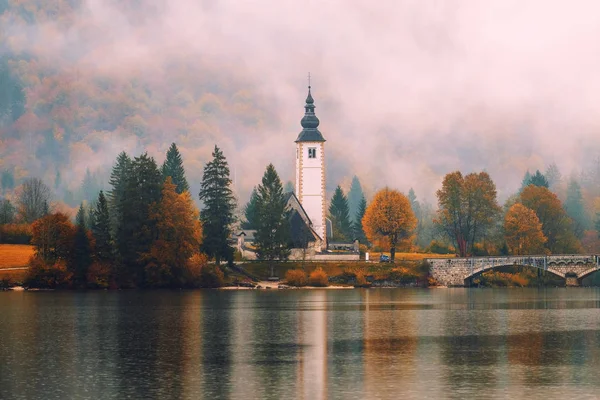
{"x": 309, "y": 225}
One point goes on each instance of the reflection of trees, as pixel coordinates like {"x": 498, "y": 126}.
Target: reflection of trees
{"x": 345, "y": 360}
{"x": 149, "y": 344}
{"x": 390, "y": 343}
{"x": 467, "y": 347}
{"x": 216, "y": 349}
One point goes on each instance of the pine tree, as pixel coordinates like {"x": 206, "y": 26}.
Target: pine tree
{"x": 89, "y": 187}
{"x": 118, "y": 181}
{"x": 57, "y": 179}
{"x": 526, "y": 181}
{"x": 340, "y": 216}
{"x": 416, "y": 207}
{"x": 219, "y": 206}
{"x": 359, "y": 232}
{"x": 7, "y": 212}
{"x": 289, "y": 187}
{"x": 250, "y": 211}
{"x": 553, "y": 175}
{"x": 136, "y": 230}
{"x": 538, "y": 179}
{"x": 173, "y": 167}
{"x": 81, "y": 259}
{"x": 8, "y": 180}
{"x": 101, "y": 229}
{"x": 355, "y": 196}
{"x": 272, "y": 225}
{"x": 575, "y": 208}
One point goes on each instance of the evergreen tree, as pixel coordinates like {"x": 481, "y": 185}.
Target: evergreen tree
{"x": 118, "y": 181}
{"x": 272, "y": 225}
{"x": 12, "y": 95}
{"x": 355, "y": 196}
{"x": 575, "y": 208}
{"x": 57, "y": 180}
{"x": 359, "y": 233}
{"x": 340, "y": 216}
{"x": 416, "y": 207}
{"x": 101, "y": 229}
{"x": 538, "y": 179}
{"x": 7, "y": 180}
{"x": 219, "y": 206}
{"x": 526, "y": 181}
{"x": 553, "y": 175}
{"x": 81, "y": 256}
{"x": 87, "y": 187}
{"x": 7, "y": 212}
{"x": 173, "y": 167}
{"x": 250, "y": 211}
{"x": 289, "y": 187}
{"x": 136, "y": 230}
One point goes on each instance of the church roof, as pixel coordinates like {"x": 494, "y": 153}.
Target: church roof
{"x": 310, "y": 123}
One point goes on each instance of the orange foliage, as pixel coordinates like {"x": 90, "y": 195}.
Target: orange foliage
{"x": 556, "y": 224}
{"x": 99, "y": 275}
{"x": 48, "y": 275}
{"x": 296, "y": 277}
{"x": 15, "y": 233}
{"x": 523, "y": 231}
{"x": 318, "y": 278}
{"x": 389, "y": 220}
{"x": 53, "y": 237}
{"x": 179, "y": 235}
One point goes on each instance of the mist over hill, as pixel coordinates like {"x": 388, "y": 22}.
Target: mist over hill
{"x": 406, "y": 91}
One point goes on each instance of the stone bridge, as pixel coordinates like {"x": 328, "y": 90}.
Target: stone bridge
{"x": 459, "y": 271}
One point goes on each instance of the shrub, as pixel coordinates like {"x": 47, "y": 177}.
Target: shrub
{"x": 318, "y": 278}
{"x": 99, "y": 275}
{"x": 158, "y": 275}
{"x": 15, "y": 234}
{"x": 48, "y": 276}
{"x": 192, "y": 274}
{"x": 361, "y": 281}
{"x": 403, "y": 275}
{"x": 295, "y": 277}
{"x": 440, "y": 248}
{"x": 211, "y": 277}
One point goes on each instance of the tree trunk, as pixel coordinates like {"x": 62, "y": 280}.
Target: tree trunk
{"x": 392, "y": 253}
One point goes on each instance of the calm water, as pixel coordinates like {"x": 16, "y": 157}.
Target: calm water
{"x": 363, "y": 344}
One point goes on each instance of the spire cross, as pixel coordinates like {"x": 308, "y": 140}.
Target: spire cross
{"x": 309, "y": 80}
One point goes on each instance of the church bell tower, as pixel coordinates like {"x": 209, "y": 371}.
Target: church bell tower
{"x": 310, "y": 169}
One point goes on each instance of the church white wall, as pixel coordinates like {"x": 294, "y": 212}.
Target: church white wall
{"x": 314, "y": 208}
{"x": 310, "y": 178}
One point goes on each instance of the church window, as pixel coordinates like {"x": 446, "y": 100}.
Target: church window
{"x": 312, "y": 152}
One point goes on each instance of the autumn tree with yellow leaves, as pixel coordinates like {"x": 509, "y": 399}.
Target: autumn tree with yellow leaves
{"x": 389, "y": 220}
{"x": 179, "y": 235}
{"x": 523, "y": 231}
{"x": 467, "y": 208}
{"x": 557, "y": 226}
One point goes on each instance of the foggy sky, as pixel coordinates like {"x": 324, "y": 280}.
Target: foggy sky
{"x": 406, "y": 91}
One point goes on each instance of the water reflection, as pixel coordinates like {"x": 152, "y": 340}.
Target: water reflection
{"x": 300, "y": 344}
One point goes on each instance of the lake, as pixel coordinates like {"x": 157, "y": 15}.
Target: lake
{"x": 301, "y": 344}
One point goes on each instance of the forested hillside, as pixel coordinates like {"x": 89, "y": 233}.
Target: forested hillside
{"x": 63, "y": 118}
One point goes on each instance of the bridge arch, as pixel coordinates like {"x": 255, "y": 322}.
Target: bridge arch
{"x": 476, "y": 273}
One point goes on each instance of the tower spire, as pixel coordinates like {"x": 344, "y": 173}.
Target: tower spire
{"x": 310, "y": 122}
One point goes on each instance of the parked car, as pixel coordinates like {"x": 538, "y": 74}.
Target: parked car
{"x": 383, "y": 258}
